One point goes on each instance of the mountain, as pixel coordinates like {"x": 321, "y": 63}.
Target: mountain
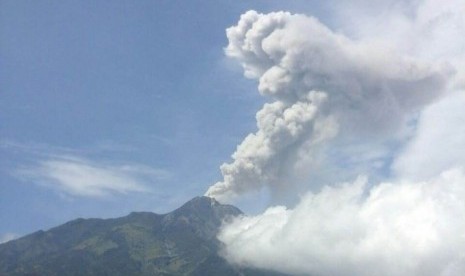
{"x": 182, "y": 242}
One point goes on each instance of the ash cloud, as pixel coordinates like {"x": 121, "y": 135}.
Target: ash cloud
{"x": 322, "y": 85}
{"x": 386, "y": 92}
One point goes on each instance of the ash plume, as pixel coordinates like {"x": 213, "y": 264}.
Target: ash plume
{"x": 321, "y": 85}
{"x": 385, "y": 91}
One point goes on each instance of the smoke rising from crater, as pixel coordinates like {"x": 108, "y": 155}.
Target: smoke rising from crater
{"x": 386, "y": 92}
{"x": 322, "y": 86}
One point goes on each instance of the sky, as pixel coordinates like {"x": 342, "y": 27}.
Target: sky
{"x": 337, "y": 126}
{"x": 108, "y": 107}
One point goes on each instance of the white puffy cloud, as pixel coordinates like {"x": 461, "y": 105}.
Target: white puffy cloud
{"x": 400, "y": 228}
{"x": 368, "y": 91}
{"x": 81, "y": 177}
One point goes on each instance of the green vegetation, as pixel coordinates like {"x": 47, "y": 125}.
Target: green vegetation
{"x": 182, "y": 242}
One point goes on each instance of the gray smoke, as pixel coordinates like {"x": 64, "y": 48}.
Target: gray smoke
{"x": 336, "y": 101}
{"x": 322, "y": 86}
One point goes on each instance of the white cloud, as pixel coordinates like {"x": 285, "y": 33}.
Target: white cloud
{"x": 8, "y": 237}
{"x": 439, "y": 142}
{"x": 401, "y": 228}
{"x": 81, "y": 177}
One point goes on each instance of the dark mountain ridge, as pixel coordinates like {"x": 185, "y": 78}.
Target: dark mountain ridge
{"x": 182, "y": 242}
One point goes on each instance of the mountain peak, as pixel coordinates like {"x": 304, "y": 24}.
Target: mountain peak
{"x": 207, "y": 207}
{"x": 203, "y": 200}
{"x": 180, "y": 242}
{"x": 200, "y": 202}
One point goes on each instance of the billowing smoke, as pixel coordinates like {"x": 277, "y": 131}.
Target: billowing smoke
{"x": 385, "y": 92}
{"x": 322, "y": 85}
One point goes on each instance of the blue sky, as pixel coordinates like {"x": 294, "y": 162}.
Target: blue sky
{"x": 108, "y": 107}
{"x": 135, "y": 91}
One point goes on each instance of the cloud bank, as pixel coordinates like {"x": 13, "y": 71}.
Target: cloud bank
{"x": 382, "y": 97}
{"x": 401, "y": 228}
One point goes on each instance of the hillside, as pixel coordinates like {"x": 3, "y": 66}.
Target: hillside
{"x": 182, "y": 242}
